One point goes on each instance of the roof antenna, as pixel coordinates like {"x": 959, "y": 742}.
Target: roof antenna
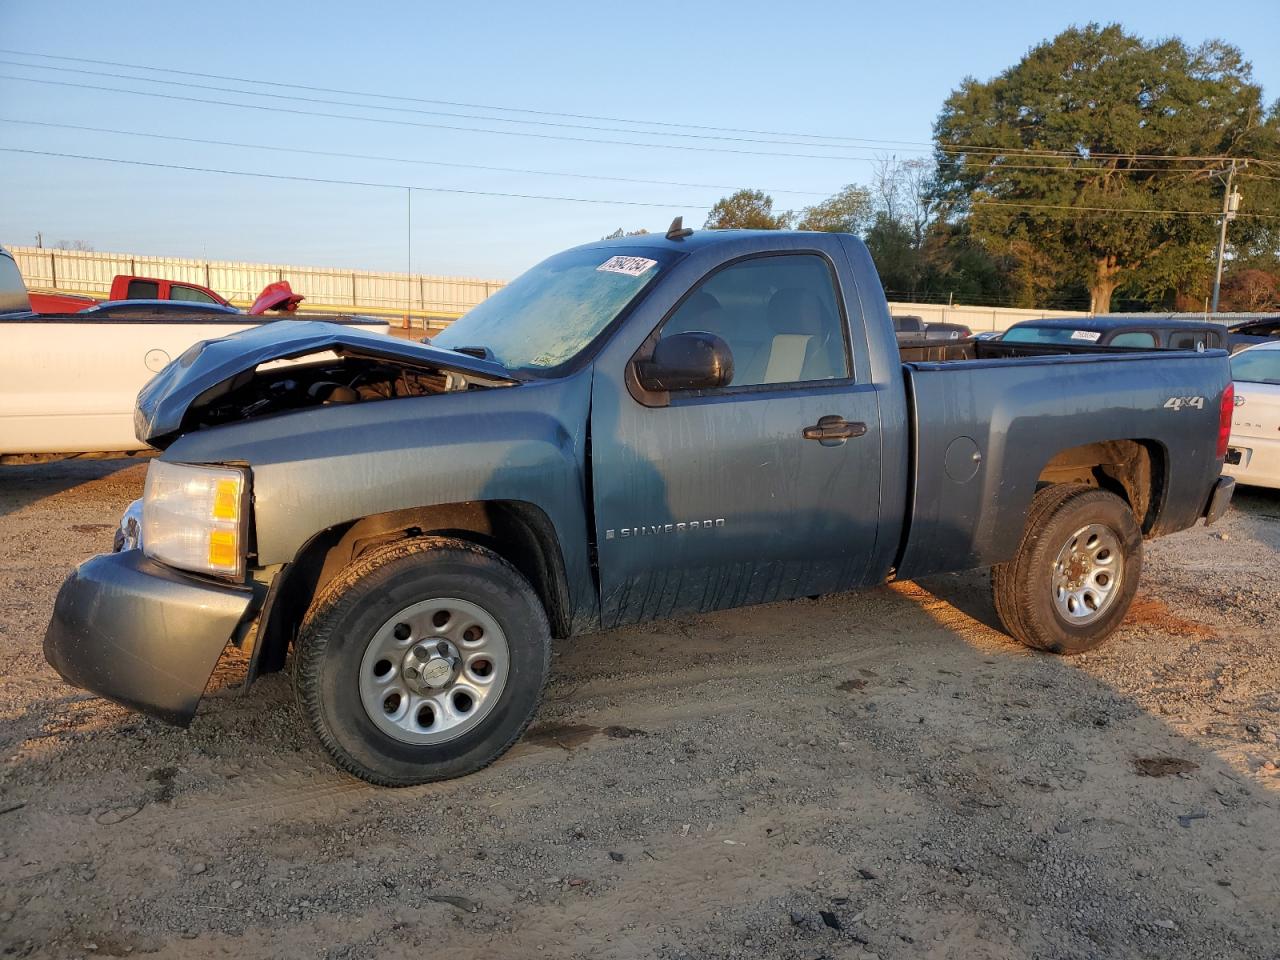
{"x": 677, "y": 230}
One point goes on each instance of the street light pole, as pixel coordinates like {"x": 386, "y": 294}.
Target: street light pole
{"x": 1230, "y": 203}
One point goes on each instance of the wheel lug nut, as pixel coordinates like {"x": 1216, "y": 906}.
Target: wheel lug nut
{"x": 443, "y": 648}
{"x": 411, "y": 673}
{"x": 422, "y": 653}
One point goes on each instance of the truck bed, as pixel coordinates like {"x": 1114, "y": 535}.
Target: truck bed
{"x": 949, "y": 350}
{"x": 987, "y": 421}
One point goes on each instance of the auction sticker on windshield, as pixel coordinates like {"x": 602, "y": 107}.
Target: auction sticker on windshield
{"x": 1090, "y": 335}
{"x": 631, "y": 266}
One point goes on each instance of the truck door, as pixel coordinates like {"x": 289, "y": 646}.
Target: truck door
{"x": 765, "y": 489}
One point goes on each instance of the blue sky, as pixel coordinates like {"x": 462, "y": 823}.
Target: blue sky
{"x": 859, "y": 70}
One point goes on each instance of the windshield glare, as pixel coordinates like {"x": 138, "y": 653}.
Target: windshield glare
{"x": 1256, "y": 366}
{"x": 549, "y": 314}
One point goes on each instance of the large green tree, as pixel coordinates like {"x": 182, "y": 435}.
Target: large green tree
{"x": 1063, "y": 154}
{"x": 749, "y": 210}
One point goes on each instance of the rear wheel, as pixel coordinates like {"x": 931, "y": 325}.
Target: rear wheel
{"x": 1074, "y": 576}
{"x": 423, "y": 660}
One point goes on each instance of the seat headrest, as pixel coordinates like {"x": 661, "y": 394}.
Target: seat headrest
{"x": 698, "y": 308}
{"x": 797, "y": 311}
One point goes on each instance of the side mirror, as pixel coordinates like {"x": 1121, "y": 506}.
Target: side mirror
{"x": 687, "y": 361}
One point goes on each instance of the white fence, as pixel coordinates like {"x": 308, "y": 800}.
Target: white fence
{"x": 91, "y": 272}
{"x": 976, "y": 319}
{"x": 395, "y": 294}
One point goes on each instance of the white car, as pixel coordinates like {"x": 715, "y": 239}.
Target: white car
{"x": 68, "y": 382}
{"x": 1253, "y": 456}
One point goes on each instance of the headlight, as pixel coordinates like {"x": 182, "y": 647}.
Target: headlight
{"x": 195, "y": 517}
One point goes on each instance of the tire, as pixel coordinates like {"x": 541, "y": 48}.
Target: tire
{"x": 1074, "y": 607}
{"x": 379, "y": 623}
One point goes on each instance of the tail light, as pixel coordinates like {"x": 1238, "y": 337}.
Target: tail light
{"x": 1224, "y": 418}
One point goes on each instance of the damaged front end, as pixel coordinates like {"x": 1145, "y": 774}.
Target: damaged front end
{"x": 292, "y": 365}
{"x": 146, "y": 624}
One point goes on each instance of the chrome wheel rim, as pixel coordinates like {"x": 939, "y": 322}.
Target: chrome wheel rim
{"x": 434, "y": 671}
{"x": 1087, "y": 574}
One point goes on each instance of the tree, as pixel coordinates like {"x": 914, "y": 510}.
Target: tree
{"x": 847, "y": 211}
{"x": 747, "y": 209}
{"x": 894, "y": 254}
{"x": 1124, "y": 122}
{"x": 904, "y": 191}
{"x": 1251, "y": 290}
{"x": 73, "y": 245}
{"x": 619, "y": 233}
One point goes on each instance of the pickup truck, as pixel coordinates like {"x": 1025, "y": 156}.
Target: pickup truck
{"x": 1130, "y": 332}
{"x": 128, "y": 287}
{"x": 631, "y": 430}
{"x": 911, "y": 329}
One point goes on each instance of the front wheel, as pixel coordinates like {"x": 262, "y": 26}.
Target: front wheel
{"x": 423, "y": 660}
{"x": 1074, "y": 576}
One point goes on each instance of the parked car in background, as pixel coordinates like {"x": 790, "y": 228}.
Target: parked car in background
{"x": 1104, "y": 331}
{"x": 912, "y": 329}
{"x": 634, "y": 429}
{"x": 153, "y": 310}
{"x": 68, "y": 381}
{"x": 1253, "y": 456}
{"x": 1249, "y": 332}
{"x": 129, "y": 287}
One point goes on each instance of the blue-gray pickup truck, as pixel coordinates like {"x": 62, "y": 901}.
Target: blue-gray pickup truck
{"x": 633, "y": 429}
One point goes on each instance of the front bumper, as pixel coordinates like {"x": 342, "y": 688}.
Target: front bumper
{"x": 141, "y": 634}
{"x": 1219, "y": 500}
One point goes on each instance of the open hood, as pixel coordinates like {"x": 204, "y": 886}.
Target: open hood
{"x": 213, "y": 368}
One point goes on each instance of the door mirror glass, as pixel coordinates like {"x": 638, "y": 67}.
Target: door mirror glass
{"x": 687, "y": 361}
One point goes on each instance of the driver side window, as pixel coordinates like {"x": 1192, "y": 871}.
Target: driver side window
{"x": 779, "y": 316}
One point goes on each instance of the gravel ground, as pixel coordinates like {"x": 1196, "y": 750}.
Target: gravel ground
{"x": 881, "y": 774}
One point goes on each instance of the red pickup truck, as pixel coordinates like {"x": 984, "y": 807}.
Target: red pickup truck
{"x": 125, "y": 287}
{"x": 275, "y": 297}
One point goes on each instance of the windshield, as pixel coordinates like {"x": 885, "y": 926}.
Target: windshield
{"x": 1256, "y": 366}
{"x": 548, "y": 315}
{"x": 1050, "y": 335}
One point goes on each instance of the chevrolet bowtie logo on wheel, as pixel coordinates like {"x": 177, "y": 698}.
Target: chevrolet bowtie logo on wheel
{"x": 654, "y": 529}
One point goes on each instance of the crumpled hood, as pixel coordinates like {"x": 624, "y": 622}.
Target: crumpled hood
{"x": 210, "y": 367}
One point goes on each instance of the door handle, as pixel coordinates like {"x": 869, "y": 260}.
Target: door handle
{"x": 834, "y": 429}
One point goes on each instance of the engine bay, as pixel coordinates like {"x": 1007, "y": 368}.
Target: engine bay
{"x": 283, "y": 387}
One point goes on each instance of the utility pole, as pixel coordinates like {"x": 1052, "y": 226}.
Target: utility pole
{"x": 1230, "y": 206}
{"x": 39, "y": 240}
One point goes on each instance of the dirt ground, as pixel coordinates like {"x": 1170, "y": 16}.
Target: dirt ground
{"x": 875, "y": 774}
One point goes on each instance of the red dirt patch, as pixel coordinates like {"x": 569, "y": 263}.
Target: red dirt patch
{"x": 1150, "y": 612}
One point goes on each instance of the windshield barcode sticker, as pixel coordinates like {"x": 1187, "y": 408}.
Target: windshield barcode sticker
{"x": 631, "y": 266}
{"x": 1090, "y": 335}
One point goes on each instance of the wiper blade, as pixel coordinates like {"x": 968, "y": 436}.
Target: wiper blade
{"x": 480, "y": 353}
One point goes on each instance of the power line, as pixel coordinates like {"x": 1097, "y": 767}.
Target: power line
{"x": 333, "y": 181}
{"x": 534, "y": 196}
{"x": 847, "y": 143}
{"x": 431, "y": 126}
{"x": 362, "y": 156}
{"x": 883, "y": 142}
{"x": 415, "y": 110}
{"x": 452, "y": 103}
{"x": 1115, "y": 210}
